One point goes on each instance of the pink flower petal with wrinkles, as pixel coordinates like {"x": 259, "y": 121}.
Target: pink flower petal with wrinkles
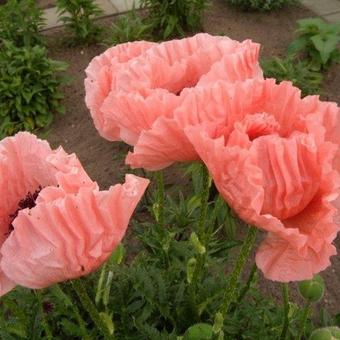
{"x": 70, "y": 228}
{"x": 283, "y": 185}
{"x": 150, "y": 85}
{"x": 100, "y": 79}
{"x": 164, "y": 142}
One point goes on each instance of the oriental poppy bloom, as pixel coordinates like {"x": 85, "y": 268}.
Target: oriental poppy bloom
{"x": 272, "y": 160}
{"x": 154, "y": 83}
{"x": 55, "y": 223}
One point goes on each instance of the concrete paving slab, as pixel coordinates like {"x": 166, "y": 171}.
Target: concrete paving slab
{"x": 51, "y": 14}
{"x": 333, "y": 18}
{"x": 125, "y": 5}
{"x": 322, "y": 7}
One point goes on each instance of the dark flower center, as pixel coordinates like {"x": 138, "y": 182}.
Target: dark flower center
{"x": 48, "y": 307}
{"x": 27, "y": 202}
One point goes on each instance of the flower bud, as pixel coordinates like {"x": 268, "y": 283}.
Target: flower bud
{"x": 191, "y": 267}
{"x": 194, "y": 240}
{"x": 328, "y": 333}
{"x": 312, "y": 290}
{"x": 199, "y": 331}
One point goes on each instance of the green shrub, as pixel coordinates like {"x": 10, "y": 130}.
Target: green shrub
{"x": 29, "y": 88}
{"x": 298, "y": 72}
{"x": 260, "y": 5}
{"x": 77, "y": 16}
{"x": 129, "y": 27}
{"x": 20, "y": 22}
{"x": 317, "y": 42}
{"x": 174, "y": 17}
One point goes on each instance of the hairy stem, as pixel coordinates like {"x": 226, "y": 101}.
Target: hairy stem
{"x": 91, "y": 308}
{"x": 230, "y": 292}
{"x": 303, "y": 320}
{"x": 160, "y": 198}
{"x": 245, "y": 289}
{"x": 285, "y": 295}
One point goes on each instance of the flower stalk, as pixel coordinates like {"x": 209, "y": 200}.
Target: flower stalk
{"x": 91, "y": 309}
{"x": 285, "y": 295}
{"x": 303, "y": 320}
{"x": 160, "y": 198}
{"x": 230, "y": 292}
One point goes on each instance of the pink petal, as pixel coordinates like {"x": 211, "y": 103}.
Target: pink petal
{"x": 161, "y": 146}
{"x": 280, "y": 261}
{"x": 101, "y": 78}
{"x": 23, "y": 170}
{"x": 6, "y": 285}
{"x": 151, "y": 85}
{"x": 71, "y": 236}
{"x": 271, "y": 179}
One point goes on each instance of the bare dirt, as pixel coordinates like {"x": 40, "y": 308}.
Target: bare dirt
{"x": 104, "y": 161}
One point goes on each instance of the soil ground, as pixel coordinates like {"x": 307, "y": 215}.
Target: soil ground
{"x": 104, "y": 161}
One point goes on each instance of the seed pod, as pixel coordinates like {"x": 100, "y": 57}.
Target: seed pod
{"x": 328, "y": 333}
{"x": 312, "y": 290}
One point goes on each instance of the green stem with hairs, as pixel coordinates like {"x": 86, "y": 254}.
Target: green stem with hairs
{"x": 230, "y": 292}
{"x": 303, "y": 320}
{"x": 285, "y": 295}
{"x": 160, "y": 198}
{"x": 206, "y": 180}
{"x": 91, "y": 308}
{"x": 245, "y": 289}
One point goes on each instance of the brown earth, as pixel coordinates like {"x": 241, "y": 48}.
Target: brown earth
{"x": 104, "y": 161}
{"x": 46, "y": 3}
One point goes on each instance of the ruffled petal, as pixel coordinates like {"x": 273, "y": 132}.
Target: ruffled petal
{"x": 271, "y": 179}
{"x": 241, "y": 65}
{"x": 71, "y": 236}
{"x": 22, "y": 170}
{"x": 280, "y": 261}
{"x": 154, "y": 84}
{"x": 101, "y": 79}
{"x": 165, "y": 143}
{"x": 134, "y": 113}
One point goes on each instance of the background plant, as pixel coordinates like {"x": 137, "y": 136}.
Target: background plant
{"x": 174, "y": 17}
{"x": 260, "y": 5}
{"x": 29, "y": 88}
{"x": 20, "y": 22}
{"x": 77, "y": 16}
{"x": 296, "y": 71}
{"x": 129, "y": 27}
{"x": 317, "y": 43}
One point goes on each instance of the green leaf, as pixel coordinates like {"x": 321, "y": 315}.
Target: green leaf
{"x": 325, "y": 46}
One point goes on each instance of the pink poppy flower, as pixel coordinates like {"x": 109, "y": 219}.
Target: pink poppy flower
{"x": 152, "y": 84}
{"x": 100, "y": 79}
{"x": 55, "y": 224}
{"x": 161, "y": 141}
{"x": 272, "y": 161}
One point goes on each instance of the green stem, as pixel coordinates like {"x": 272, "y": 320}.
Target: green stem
{"x": 99, "y": 290}
{"x": 303, "y": 320}
{"x": 44, "y": 322}
{"x": 245, "y": 289}
{"x": 206, "y": 179}
{"x": 285, "y": 294}
{"x": 160, "y": 198}
{"x": 203, "y": 236}
{"x": 91, "y": 308}
{"x": 230, "y": 292}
